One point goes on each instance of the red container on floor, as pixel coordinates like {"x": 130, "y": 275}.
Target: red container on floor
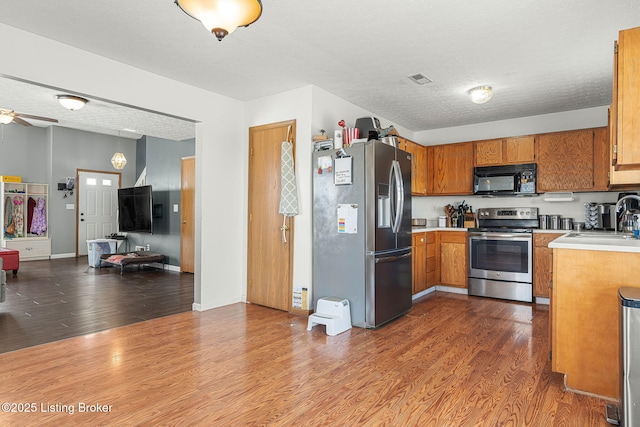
{"x": 10, "y": 259}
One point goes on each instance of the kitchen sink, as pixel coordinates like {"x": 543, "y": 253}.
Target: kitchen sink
{"x": 601, "y": 235}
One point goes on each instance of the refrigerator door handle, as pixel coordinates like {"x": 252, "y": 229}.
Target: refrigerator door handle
{"x": 397, "y": 202}
{"x": 393, "y": 258}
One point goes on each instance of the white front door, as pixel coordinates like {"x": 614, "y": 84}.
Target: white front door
{"x": 97, "y": 206}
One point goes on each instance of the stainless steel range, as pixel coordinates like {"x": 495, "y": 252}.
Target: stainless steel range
{"x": 501, "y": 253}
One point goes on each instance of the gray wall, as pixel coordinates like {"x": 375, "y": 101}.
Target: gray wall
{"x": 72, "y": 150}
{"x": 50, "y": 155}
{"x": 24, "y": 151}
{"x": 162, "y": 158}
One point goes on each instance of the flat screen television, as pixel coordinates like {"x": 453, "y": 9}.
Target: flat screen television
{"x": 135, "y": 210}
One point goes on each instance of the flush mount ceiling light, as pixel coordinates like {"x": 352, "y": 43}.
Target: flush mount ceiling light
{"x": 480, "y": 94}
{"x": 71, "y": 102}
{"x": 5, "y": 117}
{"x": 222, "y": 17}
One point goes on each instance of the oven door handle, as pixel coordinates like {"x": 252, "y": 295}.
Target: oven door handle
{"x": 494, "y": 236}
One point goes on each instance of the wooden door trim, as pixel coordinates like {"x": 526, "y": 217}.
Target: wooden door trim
{"x": 78, "y": 171}
{"x": 290, "y": 221}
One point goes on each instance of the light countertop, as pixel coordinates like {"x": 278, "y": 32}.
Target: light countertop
{"x": 419, "y": 229}
{"x": 597, "y": 241}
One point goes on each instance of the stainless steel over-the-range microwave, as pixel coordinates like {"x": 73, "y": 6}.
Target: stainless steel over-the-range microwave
{"x": 507, "y": 180}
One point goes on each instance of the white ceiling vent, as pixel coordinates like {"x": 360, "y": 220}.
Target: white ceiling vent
{"x": 420, "y": 79}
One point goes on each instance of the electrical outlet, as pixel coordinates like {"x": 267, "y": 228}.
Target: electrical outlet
{"x": 147, "y": 247}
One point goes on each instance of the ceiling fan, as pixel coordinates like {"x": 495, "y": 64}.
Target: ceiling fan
{"x": 8, "y": 116}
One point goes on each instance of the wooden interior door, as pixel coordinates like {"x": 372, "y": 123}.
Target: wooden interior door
{"x": 187, "y": 213}
{"x": 269, "y": 260}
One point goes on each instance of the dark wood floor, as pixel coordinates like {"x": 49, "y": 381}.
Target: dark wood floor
{"x": 57, "y": 299}
{"x": 453, "y": 360}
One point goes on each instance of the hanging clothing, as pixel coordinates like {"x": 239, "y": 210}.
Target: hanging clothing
{"x": 31, "y": 205}
{"x": 39, "y": 221}
{"x": 18, "y": 215}
{"x": 8, "y": 215}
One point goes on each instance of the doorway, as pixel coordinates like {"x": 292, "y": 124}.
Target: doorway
{"x": 269, "y": 259}
{"x": 97, "y": 200}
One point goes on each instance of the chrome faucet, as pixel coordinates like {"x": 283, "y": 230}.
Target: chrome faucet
{"x": 622, "y": 199}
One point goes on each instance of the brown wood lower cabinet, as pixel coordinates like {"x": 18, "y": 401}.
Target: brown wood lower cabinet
{"x": 437, "y": 251}
{"x": 453, "y": 258}
{"x": 419, "y": 262}
{"x": 542, "y": 263}
{"x": 585, "y": 317}
{"x": 432, "y": 259}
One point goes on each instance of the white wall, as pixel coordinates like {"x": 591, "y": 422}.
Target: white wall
{"x": 294, "y": 104}
{"x": 313, "y": 109}
{"x": 555, "y": 122}
{"x": 218, "y": 280}
{"x": 431, "y": 207}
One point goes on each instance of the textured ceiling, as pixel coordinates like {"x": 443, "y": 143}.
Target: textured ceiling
{"x": 540, "y": 56}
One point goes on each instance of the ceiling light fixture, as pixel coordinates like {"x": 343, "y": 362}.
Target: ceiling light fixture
{"x": 5, "y": 117}
{"x": 71, "y": 102}
{"x": 222, "y": 17}
{"x": 119, "y": 161}
{"x": 480, "y": 94}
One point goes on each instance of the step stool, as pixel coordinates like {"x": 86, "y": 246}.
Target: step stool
{"x": 332, "y": 312}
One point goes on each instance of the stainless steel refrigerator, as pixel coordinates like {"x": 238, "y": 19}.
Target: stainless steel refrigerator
{"x": 362, "y": 230}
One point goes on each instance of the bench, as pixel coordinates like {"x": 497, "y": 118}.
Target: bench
{"x": 134, "y": 258}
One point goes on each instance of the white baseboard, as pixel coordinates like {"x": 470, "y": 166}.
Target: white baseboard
{"x": 214, "y": 304}
{"x": 425, "y": 292}
{"x": 452, "y": 290}
{"x": 542, "y": 300}
{"x": 57, "y": 256}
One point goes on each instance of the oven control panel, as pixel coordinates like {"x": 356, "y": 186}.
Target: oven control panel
{"x": 508, "y": 213}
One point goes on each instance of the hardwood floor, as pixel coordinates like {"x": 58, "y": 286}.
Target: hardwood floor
{"x": 57, "y": 299}
{"x": 453, "y": 360}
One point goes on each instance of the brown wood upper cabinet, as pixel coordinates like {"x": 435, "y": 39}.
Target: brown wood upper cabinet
{"x": 505, "y": 151}
{"x": 450, "y": 169}
{"x": 625, "y": 110}
{"x": 573, "y": 160}
{"x": 418, "y": 165}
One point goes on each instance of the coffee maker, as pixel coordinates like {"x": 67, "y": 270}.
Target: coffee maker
{"x": 626, "y": 212}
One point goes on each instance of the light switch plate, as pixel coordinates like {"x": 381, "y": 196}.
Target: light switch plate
{"x": 70, "y": 206}
{"x": 175, "y": 207}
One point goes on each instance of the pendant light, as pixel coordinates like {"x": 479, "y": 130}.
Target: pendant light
{"x": 222, "y": 17}
{"x": 119, "y": 161}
